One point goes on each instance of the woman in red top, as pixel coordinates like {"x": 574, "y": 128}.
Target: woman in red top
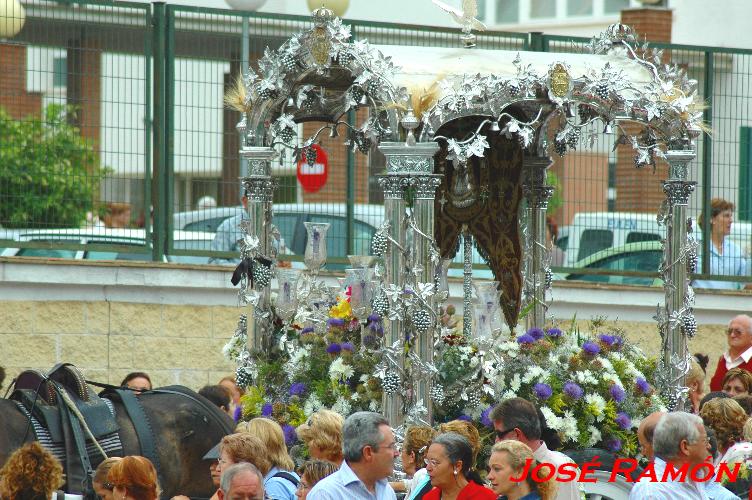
{"x": 449, "y": 462}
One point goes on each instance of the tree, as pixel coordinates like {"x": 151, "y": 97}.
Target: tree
{"x": 48, "y": 172}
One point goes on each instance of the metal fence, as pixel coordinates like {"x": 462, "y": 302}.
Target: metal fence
{"x": 134, "y": 145}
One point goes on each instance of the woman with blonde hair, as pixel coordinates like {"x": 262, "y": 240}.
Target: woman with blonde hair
{"x": 280, "y": 481}
{"x": 102, "y": 487}
{"x": 696, "y": 385}
{"x": 311, "y": 473}
{"x": 134, "y": 478}
{"x": 31, "y": 473}
{"x": 414, "y": 447}
{"x": 727, "y": 419}
{"x": 322, "y": 435}
{"x": 509, "y": 459}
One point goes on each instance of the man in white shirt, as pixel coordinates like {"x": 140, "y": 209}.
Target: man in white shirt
{"x": 517, "y": 419}
{"x": 369, "y": 449}
{"x": 679, "y": 439}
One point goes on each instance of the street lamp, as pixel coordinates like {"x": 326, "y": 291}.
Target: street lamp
{"x": 338, "y": 7}
{"x": 12, "y": 18}
{"x": 245, "y": 4}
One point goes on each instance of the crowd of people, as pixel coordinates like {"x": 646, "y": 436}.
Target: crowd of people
{"x": 354, "y": 457}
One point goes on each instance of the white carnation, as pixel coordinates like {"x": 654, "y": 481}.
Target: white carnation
{"x": 339, "y": 370}
{"x": 342, "y": 406}
{"x": 533, "y": 373}
{"x": 569, "y": 426}
{"x": 595, "y": 436}
{"x": 598, "y": 403}
{"x": 312, "y": 405}
{"x": 508, "y": 395}
{"x": 514, "y": 385}
{"x": 552, "y": 420}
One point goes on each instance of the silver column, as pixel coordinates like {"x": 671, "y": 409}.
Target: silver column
{"x": 409, "y": 168}
{"x": 259, "y": 186}
{"x": 425, "y": 193}
{"x": 675, "y": 359}
{"x": 535, "y": 259}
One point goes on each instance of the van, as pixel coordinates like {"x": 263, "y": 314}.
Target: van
{"x": 591, "y": 232}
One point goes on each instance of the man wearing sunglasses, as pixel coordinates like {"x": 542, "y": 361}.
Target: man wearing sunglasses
{"x": 739, "y": 353}
{"x": 517, "y": 419}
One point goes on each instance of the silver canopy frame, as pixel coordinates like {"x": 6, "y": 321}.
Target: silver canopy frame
{"x": 411, "y": 92}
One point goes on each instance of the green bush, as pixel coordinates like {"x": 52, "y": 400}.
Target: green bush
{"x": 49, "y": 174}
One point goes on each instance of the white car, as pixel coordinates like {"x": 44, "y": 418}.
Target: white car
{"x": 104, "y": 244}
{"x": 289, "y": 219}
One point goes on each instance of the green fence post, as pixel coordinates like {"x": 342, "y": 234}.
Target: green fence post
{"x": 158, "y": 130}
{"x": 536, "y": 42}
{"x": 169, "y": 129}
{"x": 148, "y": 57}
{"x": 707, "y": 158}
{"x": 350, "y": 188}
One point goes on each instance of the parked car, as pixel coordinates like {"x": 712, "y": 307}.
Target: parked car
{"x": 207, "y": 219}
{"x": 643, "y": 256}
{"x": 591, "y": 232}
{"x": 182, "y": 240}
{"x": 289, "y": 218}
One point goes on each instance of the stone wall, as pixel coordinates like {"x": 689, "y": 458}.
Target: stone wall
{"x": 174, "y": 344}
{"x": 172, "y": 321}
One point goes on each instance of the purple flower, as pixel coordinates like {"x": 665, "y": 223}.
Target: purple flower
{"x": 298, "y": 389}
{"x": 553, "y": 332}
{"x": 536, "y": 333}
{"x": 238, "y": 413}
{"x": 266, "y": 410}
{"x": 542, "y": 391}
{"x": 347, "y": 346}
{"x": 290, "y": 435}
{"x": 573, "y": 390}
{"x": 333, "y": 348}
{"x": 369, "y": 341}
{"x": 606, "y": 338}
{"x": 336, "y": 322}
{"x": 591, "y": 348}
{"x": 374, "y": 318}
{"x": 618, "y": 343}
{"x": 617, "y": 393}
{"x": 485, "y": 419}
{"x": 613, "y": 444}
{"x": 464, "y": 417}
{"x": 308, "y": 329}
{"x": 623, "y": 420}
{"x": 525, "y": 339}
{"x": 642, "y": 385}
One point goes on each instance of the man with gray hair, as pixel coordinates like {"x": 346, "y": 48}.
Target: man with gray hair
{"x": 679, "y": 440}
{"x": 739, "y": 353}
{"x": 241, "y": 481}
{"x": 369, "y": 451}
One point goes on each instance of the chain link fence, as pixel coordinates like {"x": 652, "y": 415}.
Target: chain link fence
{"x": 116, "y": 144}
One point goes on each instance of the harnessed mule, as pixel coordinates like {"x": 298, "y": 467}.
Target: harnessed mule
{"x": 172, "y": 426}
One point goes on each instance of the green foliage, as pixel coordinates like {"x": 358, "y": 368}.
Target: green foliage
{"x": 49, "y": 174}
{"x": 556, "y": 200}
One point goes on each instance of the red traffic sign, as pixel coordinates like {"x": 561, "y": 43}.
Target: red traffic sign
{"x": 313, "y": 177}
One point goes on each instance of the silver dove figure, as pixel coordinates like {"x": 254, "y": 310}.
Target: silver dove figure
{"x": 467, "y": 19}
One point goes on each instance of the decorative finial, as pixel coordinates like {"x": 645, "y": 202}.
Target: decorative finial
{"x": 322, "y": 16}
{"x": 410, "y": 122}
{"x": 467, "y": 19}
